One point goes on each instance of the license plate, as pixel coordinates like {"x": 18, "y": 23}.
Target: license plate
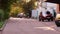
{"x": 48, "y": 17}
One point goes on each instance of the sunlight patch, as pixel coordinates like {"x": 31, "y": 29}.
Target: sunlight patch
{"x": 45, "y": 28}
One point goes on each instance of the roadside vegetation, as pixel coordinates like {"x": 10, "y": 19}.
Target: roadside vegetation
{"x": 1, "y": 24}
{"x": 13, "y": 7}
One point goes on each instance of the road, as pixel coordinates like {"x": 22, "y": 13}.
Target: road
{"x": 29, "y": 26}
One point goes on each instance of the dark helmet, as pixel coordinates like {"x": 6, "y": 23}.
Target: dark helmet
{"x": 47, "y": 12}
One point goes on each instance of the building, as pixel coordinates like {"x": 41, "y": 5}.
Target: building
{"x": 57, "y": 2}
{"x": 43, "y": 4}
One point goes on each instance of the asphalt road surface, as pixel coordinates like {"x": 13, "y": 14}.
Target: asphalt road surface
{"x": 29, "y": 26}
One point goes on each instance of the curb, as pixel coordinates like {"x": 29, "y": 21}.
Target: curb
{"x": 1, "y": 29}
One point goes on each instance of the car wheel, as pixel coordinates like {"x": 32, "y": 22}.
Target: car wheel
{"x": 57, "y": 23}
{"x": 39, "y": 19}
{"x": 43, "y": 20}
{"x": 51, "y": 19}
{"x": 48, "y": 19}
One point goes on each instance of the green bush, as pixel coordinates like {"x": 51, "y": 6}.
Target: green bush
{"x": 6, "y": 15}
{"x": 1, "y": 15}
{"x": 1, "y": 24}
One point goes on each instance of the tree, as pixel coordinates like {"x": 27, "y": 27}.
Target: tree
{"x": 1, "y": 15}
{"x": 5, "y": 5}
{"x": 28, "y": 7}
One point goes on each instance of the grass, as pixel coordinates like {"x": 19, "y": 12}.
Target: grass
{"x": 1, "y": 24}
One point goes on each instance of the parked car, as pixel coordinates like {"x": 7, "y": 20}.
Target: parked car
{"x": 57, "y": 20}
{"x": 20, "y": 15}
{"x": 47, "y": 17}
